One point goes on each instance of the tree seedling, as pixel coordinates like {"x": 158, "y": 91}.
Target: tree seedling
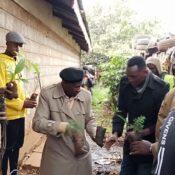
{"x": 134, "y": 129}
{"x": 75, "y": 132}
{"x": 138, "y": 123}
{"x": 15, "y": 74}
{"x": 75, "y": 126}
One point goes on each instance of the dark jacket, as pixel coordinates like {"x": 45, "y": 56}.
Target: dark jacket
{"x": 132, "y": 104}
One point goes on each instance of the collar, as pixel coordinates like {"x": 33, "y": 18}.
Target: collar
{"x": 7, "y": 57}
{"x": 142, "y": 89}
{"x": 151, "y": 82}
{"x": 59, "y": 92}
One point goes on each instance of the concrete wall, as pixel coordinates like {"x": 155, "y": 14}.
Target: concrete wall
{"x": 47, "y": 42}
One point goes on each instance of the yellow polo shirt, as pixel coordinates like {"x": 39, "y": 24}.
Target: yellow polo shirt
{"x": 14, "y": 107}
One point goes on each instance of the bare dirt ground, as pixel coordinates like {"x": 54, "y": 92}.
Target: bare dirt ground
{"x": 106, "y": 161}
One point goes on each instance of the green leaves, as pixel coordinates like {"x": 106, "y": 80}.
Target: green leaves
{"x": 112, "y": 27}
{"x": 138, "y": 123}
{"x": 29, "y": 66}
{"x": 22, "y": 63}
{"x": 111, "y": 75}
{"x": 75, "y": 125}
{"x": 36, "y": 68}
{"x": 20, "y": 66}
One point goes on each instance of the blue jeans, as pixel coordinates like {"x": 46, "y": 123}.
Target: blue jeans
{"x": 131, "y": 167}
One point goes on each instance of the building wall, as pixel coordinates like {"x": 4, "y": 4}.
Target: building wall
{"x": 47, "y": 42}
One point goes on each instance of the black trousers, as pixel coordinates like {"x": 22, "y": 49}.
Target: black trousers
{"x": 15, "y": 139}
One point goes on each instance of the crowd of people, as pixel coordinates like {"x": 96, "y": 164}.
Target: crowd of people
{"x": 63, "y": 121}
{"x": 64, "y": 113}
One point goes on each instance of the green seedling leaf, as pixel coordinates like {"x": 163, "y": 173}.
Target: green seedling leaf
{"x": 138, "y": 123}
{"x": 28, "y": 65}
{"x": 20, "y": 66}
{"x": 75, "y": 125}
{"x": 36, "y": 68}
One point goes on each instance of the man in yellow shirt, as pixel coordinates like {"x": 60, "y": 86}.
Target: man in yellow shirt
{"x": 15, "y": 107}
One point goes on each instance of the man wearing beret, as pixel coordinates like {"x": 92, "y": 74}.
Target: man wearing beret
{"x": 63, "y": 113}
{"x": 16, "y": 103}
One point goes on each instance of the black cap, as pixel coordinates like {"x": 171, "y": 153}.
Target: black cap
{"x": 72, "y": 74}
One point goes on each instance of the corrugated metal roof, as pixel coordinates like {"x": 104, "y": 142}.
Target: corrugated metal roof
{"x": 73, "y": 18}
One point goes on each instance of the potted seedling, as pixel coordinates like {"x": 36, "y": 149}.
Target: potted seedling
{"x": 75, "y": 131}
{"x": 15, "y": 74}
{"x": 134, "y": 130}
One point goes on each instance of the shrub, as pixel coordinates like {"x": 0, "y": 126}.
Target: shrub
{"x": 101, "y": 108}
{"x": 111, "y": 75}
{"x": 100, "y": 96}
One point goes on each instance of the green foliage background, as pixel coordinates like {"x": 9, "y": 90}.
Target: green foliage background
{"x": 111, "y": 75}
{"x": 101, "y": 108}
{"x": 112, "y": 28}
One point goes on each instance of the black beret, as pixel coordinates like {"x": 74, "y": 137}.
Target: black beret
{"x": 72, "y": 74}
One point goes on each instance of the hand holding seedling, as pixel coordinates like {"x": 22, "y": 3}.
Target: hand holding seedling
{"x": 140, "y": 147}
{"x": 134, "y": 133}
{"x": 31, "y": 102}
{"x": 133, "y": 136}
{"x": 73, "y": 127}
{"x": 28, "y": 103}
{"x": 75, "y": 131}
{"x": 34, "y": 96}
{"x": 15, "y": 74}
